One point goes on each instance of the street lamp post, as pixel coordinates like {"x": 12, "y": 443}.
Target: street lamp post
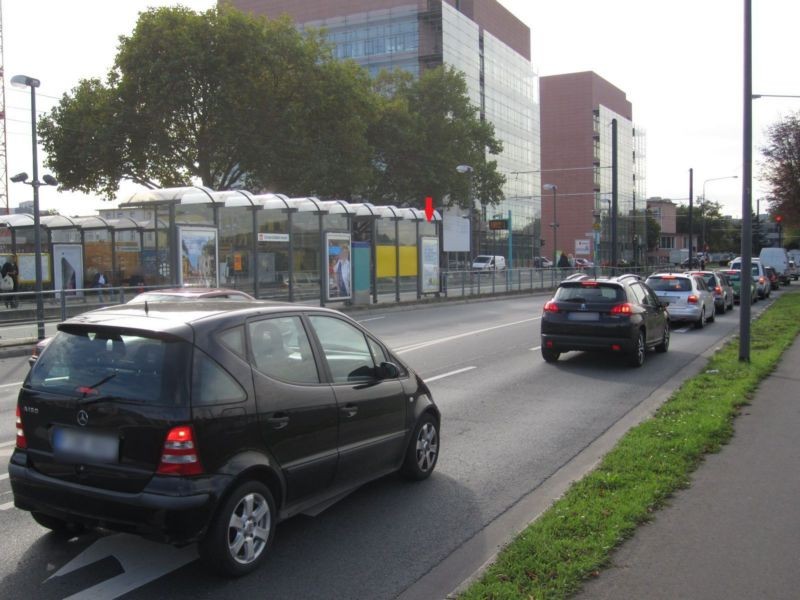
{"x": 554, "y": 188}
{"x": 23, "y": 81}
{"x": 703, "y": 207}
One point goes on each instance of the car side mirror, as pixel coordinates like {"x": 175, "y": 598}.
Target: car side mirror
{"x": 388, "y": 370}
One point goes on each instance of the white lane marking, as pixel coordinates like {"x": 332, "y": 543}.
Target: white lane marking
{"x": 142, "y": 561}
{"x": 6, "y": 444}
{"x": 7, "y": 506}
{"x": 371, "y": 319}
{"x": 3, "y": 476}
{"x": 17, "y": 384}
{"x": 443, "y": 375}
{"x": 450, "y": 338}
{"x": 535, "y": 348}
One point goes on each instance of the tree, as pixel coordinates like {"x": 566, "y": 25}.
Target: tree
{"x": 782, "y": 168}
{"x": 653, "y": 233}
{"x": 222, "y": 97}
{"x": 427, "y": 127}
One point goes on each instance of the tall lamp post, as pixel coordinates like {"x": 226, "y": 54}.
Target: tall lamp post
{"x": 703, "y": 206}
{"x": 554, "y": 188}
{"x": 23, "y": 81}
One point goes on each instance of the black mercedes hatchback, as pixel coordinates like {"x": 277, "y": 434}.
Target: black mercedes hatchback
{"x": 212, "y": 422}
{"x": 621, "y": 315}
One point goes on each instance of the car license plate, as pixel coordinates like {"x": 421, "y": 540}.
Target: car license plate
{"x": 583, "y": 316}
{"x": 75, "y": 446}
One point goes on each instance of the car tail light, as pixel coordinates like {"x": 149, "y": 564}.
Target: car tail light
{"x": 22, "y": 443}
{"x": 761, "y": 279}
{"x": 616, "y": 347}
{"x": 179, "y": 456}
{"x": 692, "y": 299}
{"x": 551, "y": 307}
{"x": 622, "y": 309}
{"x": 549, "y": 344}
{"x": 718, "y": 290}
{"x": 593, "y": 284}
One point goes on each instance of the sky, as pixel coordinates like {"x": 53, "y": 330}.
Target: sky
{"x": 679, "y": 63}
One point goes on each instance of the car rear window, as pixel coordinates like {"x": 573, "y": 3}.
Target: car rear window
{"x": 589, "y": 292}
{"x": 670, "y": 284}
{"x": 132, "y": 368}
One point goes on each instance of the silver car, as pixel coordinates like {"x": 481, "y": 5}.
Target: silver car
{"x": 718, "y": 285}
{"x": 687, "y": 296}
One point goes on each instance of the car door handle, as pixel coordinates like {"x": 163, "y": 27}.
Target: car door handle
{"x": 278, "y": 422}
{"x": 349, "y": 410}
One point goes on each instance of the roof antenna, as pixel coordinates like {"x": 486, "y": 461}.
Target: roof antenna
{"x": 146, "y": 309}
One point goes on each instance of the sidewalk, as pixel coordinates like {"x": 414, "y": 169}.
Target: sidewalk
{"x": 735, "y": 533}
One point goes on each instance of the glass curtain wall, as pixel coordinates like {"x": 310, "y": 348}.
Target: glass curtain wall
{"x": 127, "y": 250}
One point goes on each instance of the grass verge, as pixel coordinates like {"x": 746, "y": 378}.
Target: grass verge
{"x": 574, "y": 538}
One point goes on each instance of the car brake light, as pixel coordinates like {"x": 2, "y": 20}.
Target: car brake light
{"x": 179, "y": 456}
{"x": 22, "y": 443}
{"x": 551, "y": 307}
{"x": 692, "y": 299}
{"x": 622, "y": 309}
{"x": 589, "y": 284}
{"x": 718, "y": 290}
{"x": 761, "y": 279}
{"x": 667, "y": 277}
{"x": 616, "y": 347}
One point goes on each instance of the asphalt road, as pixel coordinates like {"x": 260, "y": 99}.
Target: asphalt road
{"x": 510, "y": 421}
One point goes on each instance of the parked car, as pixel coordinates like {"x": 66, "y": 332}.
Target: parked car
{"x": 772, "y": 277}
{"x": 618, "y": 314}
{"x": 735, "y": 279}
{"x": 687, "y": 296}
{"x": 583, "y": 263}
{"x": 793, "y": 270}
{"x": 212, "y": 422}
{"x": 759, "y": 276}
{"x": 542, "y": 262}
{"x": 778, "y": 259}
{"x": 190, "y": 293}
{"x": 719, "y": 285}
{"x": 489, "y": 263}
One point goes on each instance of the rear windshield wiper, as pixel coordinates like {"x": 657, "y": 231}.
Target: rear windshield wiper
{"x": 92, "y": 389}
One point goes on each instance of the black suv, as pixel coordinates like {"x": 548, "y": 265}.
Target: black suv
{"x": 618, "y": 314}
{"x": 212, "y": 422}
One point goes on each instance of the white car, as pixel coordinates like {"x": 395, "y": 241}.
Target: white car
{"x": 486, "y": 262}
{"x": 686, "y": 295}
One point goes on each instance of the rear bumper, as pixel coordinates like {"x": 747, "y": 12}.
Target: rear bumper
{"x": 566, "y": 343}
{"x": 158, "y": 511}
{"x": 684, "y": 313}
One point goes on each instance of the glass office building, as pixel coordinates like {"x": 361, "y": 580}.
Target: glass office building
{"x": 482, "y": 40}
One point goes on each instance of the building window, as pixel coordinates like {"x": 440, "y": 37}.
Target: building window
{"x": 667, "y": 242}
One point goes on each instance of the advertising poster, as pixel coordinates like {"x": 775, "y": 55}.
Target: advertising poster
{"x": 429, "y": 257}
{"x": 198, "y": 256}
{"x": 582, "y": 247}
{"x": 340, "y": 283}
{"x": 68, "y": 268}
{"x": 26, "y": 264}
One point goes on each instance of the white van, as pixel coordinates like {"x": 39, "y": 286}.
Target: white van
{"x": 778, "y": 259}
{"x": 486, "y": 262}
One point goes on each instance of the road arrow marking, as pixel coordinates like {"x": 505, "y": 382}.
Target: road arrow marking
{"x": 143, "y": 561}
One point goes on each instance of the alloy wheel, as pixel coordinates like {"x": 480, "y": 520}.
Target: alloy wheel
{"x": 248, "y": 528}
{"x": 427, "y": 447}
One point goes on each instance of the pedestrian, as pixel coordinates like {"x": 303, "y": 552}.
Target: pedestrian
{"x": 563, "y": 262}
{"x": 99, "y": 282}
{"x": 8, "y": 282}
{"x": 702, "y": 263}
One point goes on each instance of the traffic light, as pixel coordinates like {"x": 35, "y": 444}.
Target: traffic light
{"x": 778, "y": 219}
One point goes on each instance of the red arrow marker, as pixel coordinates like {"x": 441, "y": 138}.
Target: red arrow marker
{"x": 429, "y": 208}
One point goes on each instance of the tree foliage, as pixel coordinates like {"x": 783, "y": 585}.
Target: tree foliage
{"x": 782, "y": 168}
{"x": 235, "y": 100}
{"x": 653, "y": 233}
{"x": 426, "y": 128}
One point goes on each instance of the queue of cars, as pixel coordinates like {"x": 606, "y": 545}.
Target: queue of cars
{"x": 627, "y": 315}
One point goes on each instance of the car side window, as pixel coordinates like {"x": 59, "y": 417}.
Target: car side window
{"x": 642, "y": 294}
{"x": 281, "y": 349}
{"x": 346, "y": 350}
{"x": 233, "y": 339}
{"x": 211, "y": 384}
{"x": 377, "y": 351}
